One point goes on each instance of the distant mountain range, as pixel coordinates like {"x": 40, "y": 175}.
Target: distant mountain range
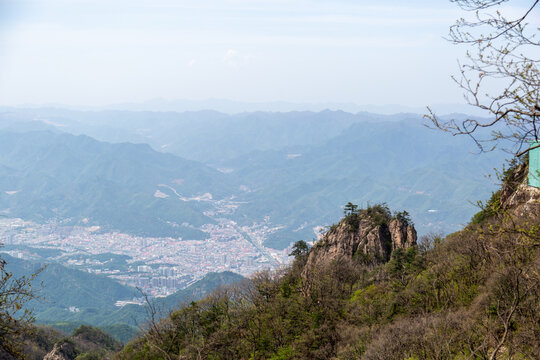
{"x": 405, "y": 164}
{"x": 45, "y": 175}
{"x": 296, "y": 169}
{"x": 206, "y": 136}
{"x": 150, "y": 173}
{"x": 235, "y": 107}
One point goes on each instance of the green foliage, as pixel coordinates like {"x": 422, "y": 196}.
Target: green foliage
{"x": 351, "y": 216}
{"x": 404, "y": 217}
{"x": 379, "y": 214}
{"x": 15, "y": 320}
{"x": 110, "y": 185}
{"x": 488, "y": 209}
{"x": 363, "y": 258}
{"x": 404, "y": 262}
{"x": 121, "y": 332}
{"x": 96, "y": 336}
{"x": 439, "y": 300}
{"x": 89, "y": 356}
{"x": 353, "y": 220}
{"x": 508, "y": 173}
{"x": 299, "y": 249}
{"x": 350, "y": 208}
{"x": 67, "y": 348}
{"x": 283, "y": 353}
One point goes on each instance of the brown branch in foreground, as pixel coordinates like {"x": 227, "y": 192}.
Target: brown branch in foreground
{"x": 529, "y": 149}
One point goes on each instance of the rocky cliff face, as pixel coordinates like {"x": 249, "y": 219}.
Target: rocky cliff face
{"x": 402, "y": 235}
{"x": 519, "y": 199}
{"x": 368, "y": 242}
{"x": 65, "y": 351}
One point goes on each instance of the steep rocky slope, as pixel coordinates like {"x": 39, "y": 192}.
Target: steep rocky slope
{"x": 362, "y": 238}
{"x": 518, "y": 198}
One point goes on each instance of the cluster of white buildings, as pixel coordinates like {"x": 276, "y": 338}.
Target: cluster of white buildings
{"x": 158, "y": 265}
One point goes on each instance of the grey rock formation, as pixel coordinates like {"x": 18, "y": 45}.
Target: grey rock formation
{"x": 519, "y": 199}
{"x": 369, "y": 243}
{"x": 64, "y": 351}
{"x": 402, "y": 235}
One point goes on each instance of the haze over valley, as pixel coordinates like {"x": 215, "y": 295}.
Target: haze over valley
{"x": 178, "y": 195}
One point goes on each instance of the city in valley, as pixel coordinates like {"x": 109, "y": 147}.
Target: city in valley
{"x": 158, "y": 266}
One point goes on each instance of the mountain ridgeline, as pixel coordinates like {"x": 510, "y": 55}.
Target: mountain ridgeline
{"x": 292, "y": 170}
{"x": 369, "y": 290}
{"x": 48, "y": 176}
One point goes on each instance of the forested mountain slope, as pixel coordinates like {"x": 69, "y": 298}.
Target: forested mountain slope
{"x": 48, "y": 176}
{"x": 294, "y": 170}
{"x": 66, "y": 298}
{"x": 474, "y": 294}
{"x": 403, "y": 163}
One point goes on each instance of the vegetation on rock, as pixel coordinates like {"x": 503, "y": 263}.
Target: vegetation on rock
{"x": 474, "y": 294}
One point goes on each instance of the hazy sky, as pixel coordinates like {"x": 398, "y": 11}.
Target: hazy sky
{"x": 108, "y": 51}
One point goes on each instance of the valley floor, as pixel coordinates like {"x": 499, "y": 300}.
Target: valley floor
{"x": 159, "y": 266}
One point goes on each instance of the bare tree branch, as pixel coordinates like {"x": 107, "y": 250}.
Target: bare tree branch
{"x": 501, "y": 77}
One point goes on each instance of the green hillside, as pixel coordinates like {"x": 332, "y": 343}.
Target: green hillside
{"x": 134, "y": 315}
{"x": 296, "y": 168}
{"x": 472, "y": 295}
{"x": 67, "y": 298}
{"x": 110, "y": 185}
{"x": 402, "y": 163}
{"x": 63, "y": 287}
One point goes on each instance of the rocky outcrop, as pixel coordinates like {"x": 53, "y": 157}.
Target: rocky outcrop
{"x": 524, "y": 202}
{"x": 402, "y": 235}
{"x": 518, "y": 198}
{"x": 62, "y": 351}
{"x": 368, "y": 242}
